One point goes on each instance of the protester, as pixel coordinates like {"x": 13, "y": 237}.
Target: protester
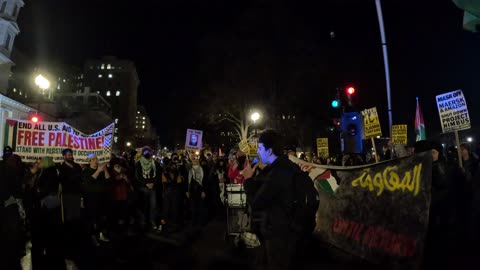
{"x": 275, "y": 198}
{"x": 172, "y": 189}
{"x": 235, "y": 166}
{"x": 71, "y": 179}
{"x": 196, "y": 194}
{"x": 148, "y": 173}
{"x": 47, "y": 244}
{"x": 121, "y": 190}
{"x": 11, "y": 210}
{"x": 95, "y": 181}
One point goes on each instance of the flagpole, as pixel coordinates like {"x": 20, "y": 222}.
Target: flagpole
{"x": 385, "y": 61}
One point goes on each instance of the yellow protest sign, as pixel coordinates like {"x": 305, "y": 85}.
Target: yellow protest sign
{"x": 252, "y": 147}
{"x": 399, "y": 134}
{"x": 322, "y": 147}
{"x": 243, "y": 145}
{"x": 371, "y": 123}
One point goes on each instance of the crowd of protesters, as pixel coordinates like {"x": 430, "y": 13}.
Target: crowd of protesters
{"x": 54, "y": 205}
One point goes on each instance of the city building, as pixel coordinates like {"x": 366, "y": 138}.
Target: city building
{"x": 9, "y": 10}
{"x": 115, "y": 80}
{"x": 145, "y": 133}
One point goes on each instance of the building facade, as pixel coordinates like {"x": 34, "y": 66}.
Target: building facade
{"x": 117, "y": 81}
{"x": 9, "y": 10}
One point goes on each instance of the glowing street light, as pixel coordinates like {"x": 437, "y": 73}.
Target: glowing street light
{"x": 42, "y": 82}
{"x": 255, "y": 116}
{"x": 469, "y": 139}
{"x": 129, "y": 144}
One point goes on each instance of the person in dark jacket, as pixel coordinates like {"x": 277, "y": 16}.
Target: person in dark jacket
{"x": 47, "y": 252}
{"x": 148, "y": 173}
{"x": 11, "y": 212}
{"x": 95, "y": 180}
{"x": 71, "y": 180}
{"x": 275, "y": 199}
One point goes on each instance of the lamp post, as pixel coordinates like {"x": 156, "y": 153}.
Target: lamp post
{"x": 42, "y": 83}
{"x": 129, "y": 144}
{"x": 255, "y": 116}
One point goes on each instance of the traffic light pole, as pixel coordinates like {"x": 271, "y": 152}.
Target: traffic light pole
{"x": 385, "y": 61}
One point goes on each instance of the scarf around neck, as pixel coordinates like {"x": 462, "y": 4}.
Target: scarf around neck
{"x": 147, "y": 166}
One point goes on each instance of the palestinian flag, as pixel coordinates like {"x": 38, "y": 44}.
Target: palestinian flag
{"x": 419, "y": 124}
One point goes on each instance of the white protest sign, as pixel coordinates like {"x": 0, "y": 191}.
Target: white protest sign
{"x": 194, "y": 139}
{"x": 453, "y": 111}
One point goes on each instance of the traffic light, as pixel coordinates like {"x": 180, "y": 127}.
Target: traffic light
{"x": 335, "y": 103}
{"x": 350, "y": 90}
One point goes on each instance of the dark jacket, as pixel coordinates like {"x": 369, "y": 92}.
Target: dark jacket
{"x": 47, "y": 183}
{"x": 153, "y": 177}
{"x": 71, "y": 178}
{"x": 274, "y": 197}
{"x": 93, "y": 185}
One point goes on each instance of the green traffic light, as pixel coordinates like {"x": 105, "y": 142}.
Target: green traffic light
{"x": 335, "y": 103}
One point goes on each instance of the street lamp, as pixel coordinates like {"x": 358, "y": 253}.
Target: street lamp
{"x": 469, "y": 139}
{"x": 129, "y": 144}
{"x": 42, "y": 83}
{"x": 255, "y": 116}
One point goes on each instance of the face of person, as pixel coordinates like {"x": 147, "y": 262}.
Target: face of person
{"x": 68, "y": 157}
{"x": 465, "y": 154}
{"x": 194, "y": 139}
{"x": 435, "y": 154}
{"x": 117, "y": 168}
{"x": 94, "y": 162}
{"x": 263, "y": 153}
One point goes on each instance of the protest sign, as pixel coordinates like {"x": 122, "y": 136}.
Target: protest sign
{"x": 371, "y": 123}
{"x": 243, "y": 146}
{"x": 322, "y": 147}
{"x": 453, "y": 111}
{"x": 193, "y": 141}
{"x": 32, "y": 141}
{"x": 377, "y": 212}
{"x": 399, "y": 134}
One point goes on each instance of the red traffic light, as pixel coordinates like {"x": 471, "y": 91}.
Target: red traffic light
{"x": 34, "y": 119}
{"x": 350, "y": 90}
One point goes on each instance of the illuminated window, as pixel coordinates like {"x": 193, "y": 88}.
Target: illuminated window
{"x": 115, "y": 139}
{"x": 108, "y": 93}
{"x": 103, "y": 66}
{"x": 14, "y": 90}
{"x": 110, "y": 75}
{"x": 116, "y": 120}
{"x": 20, "y": 93}
{"x": 64, "y": 80}
{"x": 143, "y": 118}
{"x": 100, "y": 76}
{"x": 58, "y": 87}
{"x": 143, "y": 122}
{"x": 117, "y": 93}
{"x": 138, "y": 112}
{"x": 116, "y": 129}
{"x": 98, "y": 92}
{"x": 109, "y": 66}
{"x": 136, "y": 117}
{"x": 143, "y": 127}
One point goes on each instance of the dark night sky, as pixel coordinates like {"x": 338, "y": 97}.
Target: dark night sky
{"x": 429, "y": 53}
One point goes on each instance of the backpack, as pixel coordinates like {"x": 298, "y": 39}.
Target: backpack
{"x": 306, "y": 201}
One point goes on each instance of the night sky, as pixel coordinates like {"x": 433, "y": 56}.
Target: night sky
{"x": 429, "y": 52}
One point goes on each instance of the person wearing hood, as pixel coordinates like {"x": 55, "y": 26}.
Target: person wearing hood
{"x": 148, "y": 173}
